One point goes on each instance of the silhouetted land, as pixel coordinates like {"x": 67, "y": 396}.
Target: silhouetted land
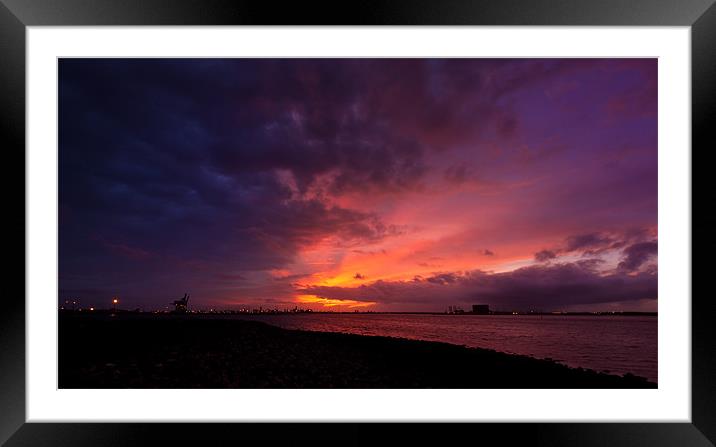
{"x": 170, "y": 351}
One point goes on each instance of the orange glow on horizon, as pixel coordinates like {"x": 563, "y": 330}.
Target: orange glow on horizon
{"x": 326, "y": 302}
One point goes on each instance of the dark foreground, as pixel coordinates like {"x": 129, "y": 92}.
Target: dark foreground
{"x": 196, "y": 352}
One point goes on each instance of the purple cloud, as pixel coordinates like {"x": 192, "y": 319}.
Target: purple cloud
{"x": 544, "y": 255}
{"x": 540, "y": 286}
{"x": 193, "y": 169}
{"x": 637, "y": 254}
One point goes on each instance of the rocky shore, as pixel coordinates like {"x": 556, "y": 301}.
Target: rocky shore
{"x": 164, "y": 351}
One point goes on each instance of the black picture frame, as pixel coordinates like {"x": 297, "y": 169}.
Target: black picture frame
{"x": 699, "y": 15}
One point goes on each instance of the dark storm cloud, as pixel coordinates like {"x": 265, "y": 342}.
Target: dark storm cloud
{"x": 443, "y": 278}
{"x": 588, "y": 241}
{"x": 596, "y": 243}
{"x": 172, "y": 172}
{"x": 171, "y": 164}
{"x": 160, "y": 141}
{"x": 590, "y": 264}
{"x": 636, "y": 255}
{"x": 539, "y": 286}
{"x": 544, "y": 255}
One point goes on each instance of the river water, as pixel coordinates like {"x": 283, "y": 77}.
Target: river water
{"x": 617, "y": 344}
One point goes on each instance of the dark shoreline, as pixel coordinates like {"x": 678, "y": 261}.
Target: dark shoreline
{"x": 168, "y": 351}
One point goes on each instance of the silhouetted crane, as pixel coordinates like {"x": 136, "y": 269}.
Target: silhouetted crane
{"x": 180, "y": 305}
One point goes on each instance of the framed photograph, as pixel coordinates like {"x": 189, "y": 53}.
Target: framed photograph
{"x": 473, "y": 213}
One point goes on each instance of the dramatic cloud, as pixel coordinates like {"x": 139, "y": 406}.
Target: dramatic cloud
{"x": 238, "y": 179}
{"x": 636, "y": 255}
{"x": 636, "y": 240}
{"x": 544, "y": 255}
{"x": 536, "y": 287}
{"x": 588, "y": 242}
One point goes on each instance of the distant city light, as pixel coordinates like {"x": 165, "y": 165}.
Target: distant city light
{"x": 115, "y": 301}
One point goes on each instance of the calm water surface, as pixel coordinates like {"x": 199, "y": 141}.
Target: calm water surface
{"x": 605, "y": 343}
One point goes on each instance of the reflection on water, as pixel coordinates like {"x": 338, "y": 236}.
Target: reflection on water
{"x": 605, "y": 343}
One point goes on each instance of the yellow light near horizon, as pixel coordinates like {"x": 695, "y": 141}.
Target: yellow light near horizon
{"x": 327, "y": 302}
{"x": 115, "y": 301}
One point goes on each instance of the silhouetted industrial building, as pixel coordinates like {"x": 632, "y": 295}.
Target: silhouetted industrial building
{"x": 481, "y": 309}
{"x": 180, "y": 306}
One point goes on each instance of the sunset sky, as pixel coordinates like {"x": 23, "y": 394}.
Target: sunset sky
{"x": 383, "y": 184}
